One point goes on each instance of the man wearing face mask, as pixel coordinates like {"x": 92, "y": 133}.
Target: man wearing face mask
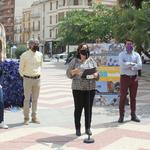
{"x": 130, "y": 62}
{"x": 30, "y": 70}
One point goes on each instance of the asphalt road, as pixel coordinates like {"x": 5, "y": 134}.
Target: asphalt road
{"x": 146, "y": 68}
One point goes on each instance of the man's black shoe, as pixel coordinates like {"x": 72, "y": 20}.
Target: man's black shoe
{"x": 88, "y": 131}
{"x": 121, "y": 119}
{"x": 78, "y": 132}
{"x": 135, "y": 118}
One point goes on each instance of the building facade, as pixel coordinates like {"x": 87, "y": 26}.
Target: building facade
{"x": 7, "y": 9}
{"x": 26, "y": 25}
{"x": 18, "y": 30}
{"x": 42, "y": 19}
{"x": 57, "y": 10}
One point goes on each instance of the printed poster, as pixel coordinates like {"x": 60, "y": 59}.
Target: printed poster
{"x": 109, "y": 73}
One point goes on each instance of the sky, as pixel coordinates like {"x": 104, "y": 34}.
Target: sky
{"x": 20, "y": 5}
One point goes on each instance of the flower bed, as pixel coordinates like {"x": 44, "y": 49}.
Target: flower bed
{"x": 12, "y": 83}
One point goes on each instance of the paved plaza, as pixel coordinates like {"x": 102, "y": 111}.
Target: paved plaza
{"x": 55, "y": 111}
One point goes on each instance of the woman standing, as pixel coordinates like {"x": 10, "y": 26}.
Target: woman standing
{"x": 83, "y": 89}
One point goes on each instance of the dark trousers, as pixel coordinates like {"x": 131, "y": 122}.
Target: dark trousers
{"x": 1, "y": 106}
{"x": 83, "y": 99}
{"x": 131, "y": 84}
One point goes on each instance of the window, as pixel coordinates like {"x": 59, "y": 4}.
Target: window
{"x": 51, "y": 6}
{"x": 89, "y": 2}
{"x": 60, "y": 16}
{"x": 56, "y": 19}
{"x": 56, "y": 4}
{"x": 76, "y": 2}
{"x": 38, "y": 25}
{"x": 64, "y": 2}
{"x": 33, "y": 26}
{"x": 56, "y": 32}
{"x": 50, "y": 19}
{"x": 50, "y": 33}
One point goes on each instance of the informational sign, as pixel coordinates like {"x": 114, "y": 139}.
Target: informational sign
{"x": 107, "y": 88}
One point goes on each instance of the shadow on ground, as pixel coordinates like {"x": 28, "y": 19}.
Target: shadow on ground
{"x": 57, "y": 141}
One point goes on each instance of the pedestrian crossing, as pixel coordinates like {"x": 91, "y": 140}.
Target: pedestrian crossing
{"x": 55, "y": 90}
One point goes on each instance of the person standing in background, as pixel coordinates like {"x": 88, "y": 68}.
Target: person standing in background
{"x": 83, "y": 89}
{"x": 2, "y": 124}
{"x": 130, "y": 62}
{"x": 30, "y": 70}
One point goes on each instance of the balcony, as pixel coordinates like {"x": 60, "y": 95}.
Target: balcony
{"x": 5, "y": 7}
{"x": 8, "y": 24}
{"x": 27, "y": 30}
{"x": 37, "y": 15}
{"x": 36, "y": 29}
{"x": 4, "y": 15}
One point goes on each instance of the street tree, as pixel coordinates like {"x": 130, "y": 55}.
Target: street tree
{"x": 73, "y": 29}
{"x": 133, "y": 23}
{"x": 85, "y": 26}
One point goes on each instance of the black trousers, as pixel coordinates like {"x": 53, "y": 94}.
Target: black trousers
{"x": 83, "y": 99}
{"x": 1, "y": 105}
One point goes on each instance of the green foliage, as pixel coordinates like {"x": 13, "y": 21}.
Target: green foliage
{"x": 104, "y": 23}
{"x": 85, "y": 26}
{"x": 73, "y": 29}
{"x": 132, "y": 23}
{"x": 20, "y": 49}
{"x": 131, "y": 3}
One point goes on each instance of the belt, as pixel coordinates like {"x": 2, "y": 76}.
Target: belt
{"x": 32, "y": 77}
{"x": 130, "y": 76}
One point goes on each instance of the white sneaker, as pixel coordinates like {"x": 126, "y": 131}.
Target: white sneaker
{"x": 3, "y": 126}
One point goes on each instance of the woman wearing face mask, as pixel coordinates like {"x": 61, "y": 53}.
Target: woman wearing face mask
{"x": 83, "y": 89}
{"x": 130, "y": 62}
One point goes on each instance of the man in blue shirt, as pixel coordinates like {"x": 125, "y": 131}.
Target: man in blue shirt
{"x": 130, "y": 62}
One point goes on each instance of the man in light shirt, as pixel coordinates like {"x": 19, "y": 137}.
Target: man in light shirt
{"x": 130, "y": 62}
{"x": 30, "y": 70}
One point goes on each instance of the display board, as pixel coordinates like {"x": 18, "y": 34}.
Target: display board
{"x": 106, "y": 56}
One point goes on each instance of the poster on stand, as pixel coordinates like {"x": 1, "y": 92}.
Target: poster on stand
{"x": 107, "y": 88}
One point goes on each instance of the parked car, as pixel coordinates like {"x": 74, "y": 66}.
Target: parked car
{"x": 145, "y": 58}
{"x": 60, "y": 57}
{"x": 71, "y": 55}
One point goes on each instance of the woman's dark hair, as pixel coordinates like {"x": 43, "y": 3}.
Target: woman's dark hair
{"x": 80, "y": 48}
